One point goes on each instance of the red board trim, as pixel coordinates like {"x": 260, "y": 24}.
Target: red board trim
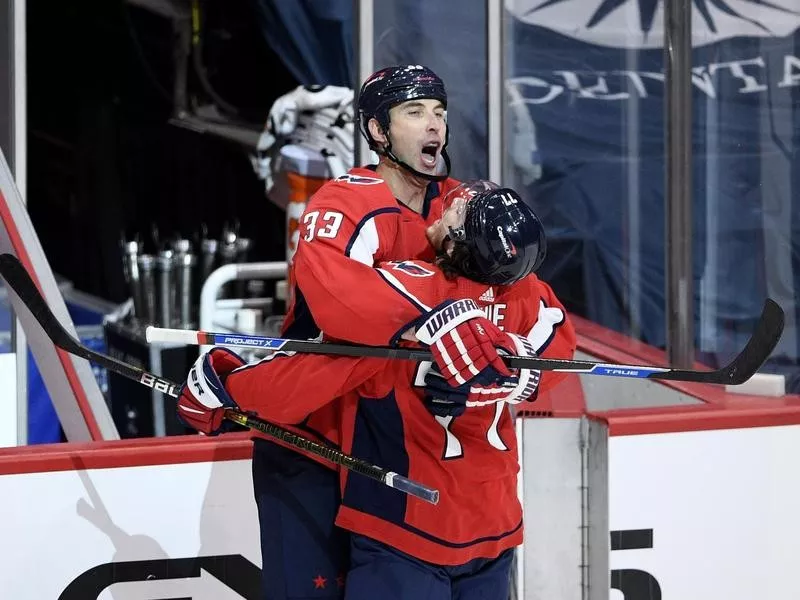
{"x": 125, "y": 453}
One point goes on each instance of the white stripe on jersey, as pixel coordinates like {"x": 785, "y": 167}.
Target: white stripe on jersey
{"x": 366, "y": 245}
{"x": 542, "y": 331}
{"x": 397, "y": 284}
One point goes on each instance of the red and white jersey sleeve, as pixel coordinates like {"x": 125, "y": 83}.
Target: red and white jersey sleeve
{"x": 286, "y": 387}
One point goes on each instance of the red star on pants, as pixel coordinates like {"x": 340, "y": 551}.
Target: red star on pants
{"x": 319, "y": 582}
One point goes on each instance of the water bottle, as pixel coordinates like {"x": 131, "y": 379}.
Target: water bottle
{"x": 166, "y": 289}
{"x": 146, "y": 264}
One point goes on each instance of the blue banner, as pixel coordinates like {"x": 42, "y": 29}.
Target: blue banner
{"x": 590, "y": 75}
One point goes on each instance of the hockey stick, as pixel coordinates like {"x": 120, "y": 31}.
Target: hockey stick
{"x": 740, "y": 369}
{"x": 20, "y": 281}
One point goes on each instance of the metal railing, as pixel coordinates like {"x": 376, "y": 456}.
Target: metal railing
{"x": 212, "y": 287}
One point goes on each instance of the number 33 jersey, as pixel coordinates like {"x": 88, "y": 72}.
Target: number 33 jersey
{"x": 350, "y": 225}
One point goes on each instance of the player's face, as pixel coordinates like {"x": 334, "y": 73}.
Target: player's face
{"x": 440, "y": 232}
{"x": 417, "y": 130}
{"x": 454, "y": 212}
{"x": 437, "y": 234}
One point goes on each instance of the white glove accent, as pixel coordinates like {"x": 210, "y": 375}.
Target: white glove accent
{"x": 203, "y": 390}
{"x": 528, "y": 378}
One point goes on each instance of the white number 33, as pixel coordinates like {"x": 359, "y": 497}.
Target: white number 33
{"x": 329, "y": 224}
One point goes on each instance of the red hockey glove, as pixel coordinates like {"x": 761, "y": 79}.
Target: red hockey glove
{"x": 443, "y": 399}
{"x": 463, "y": 341}
{"x": 202, "y": 400}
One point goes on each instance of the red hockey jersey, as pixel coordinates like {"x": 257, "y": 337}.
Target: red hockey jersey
{"x": 379, "y": 415}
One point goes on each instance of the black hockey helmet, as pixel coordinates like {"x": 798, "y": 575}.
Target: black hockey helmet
{"x": 504, "y": 238}
{"x": 389, "y": 87}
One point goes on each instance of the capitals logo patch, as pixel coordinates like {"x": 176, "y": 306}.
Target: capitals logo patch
{"x": 358, "y": 180}
{"x": 412, "y": 268}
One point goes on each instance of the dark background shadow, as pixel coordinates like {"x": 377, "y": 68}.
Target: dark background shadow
{"x": 103, "y": 159}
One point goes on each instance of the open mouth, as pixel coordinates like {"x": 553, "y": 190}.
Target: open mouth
{"x": 430, "y": 154}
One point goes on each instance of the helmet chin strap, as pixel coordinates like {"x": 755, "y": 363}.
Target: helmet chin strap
{"x": 387, "y": 152}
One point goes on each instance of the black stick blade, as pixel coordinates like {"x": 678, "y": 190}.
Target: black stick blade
{"x": 21, "y": 283}
{"x": 755, "y": 353}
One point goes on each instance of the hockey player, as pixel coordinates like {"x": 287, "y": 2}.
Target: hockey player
{"x": 460, "y": 440}
{"x": 368, "y": 216}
